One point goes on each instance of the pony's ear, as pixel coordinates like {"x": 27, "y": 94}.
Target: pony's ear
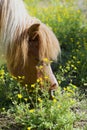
{"x": 32, "y": 31}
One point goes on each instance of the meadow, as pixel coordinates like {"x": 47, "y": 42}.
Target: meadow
{"x": 29, "y": 108}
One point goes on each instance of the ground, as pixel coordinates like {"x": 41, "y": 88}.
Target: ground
{"x": 8, "y": 123}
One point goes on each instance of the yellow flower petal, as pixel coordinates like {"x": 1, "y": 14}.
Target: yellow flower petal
{"x": 31, "y": 111}
{"x": 28, "y": 128}
{"x": 32, "y": 85}
{"x": 20, "y": 96}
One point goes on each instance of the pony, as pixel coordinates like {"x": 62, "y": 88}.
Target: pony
{"x": 26, "y": 42}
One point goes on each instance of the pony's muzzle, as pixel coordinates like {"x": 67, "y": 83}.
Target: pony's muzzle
{"x": 52, "y": 90}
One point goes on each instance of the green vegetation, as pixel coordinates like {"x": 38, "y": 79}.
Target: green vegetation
{"x": 31, "y": 107}
{"x": 28, "y": 106}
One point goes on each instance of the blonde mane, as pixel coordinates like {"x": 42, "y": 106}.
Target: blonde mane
{"x": 14, "y": 22}
{"x": 49, "y": 45}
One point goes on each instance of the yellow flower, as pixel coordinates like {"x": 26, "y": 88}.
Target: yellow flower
{"x": 54, "y": 100}
{"x": 75, "y": 68}
{"x": 2, "y": 72}
{"x": 65, "y": 89}
{"x": 74, "y": 57}
{"x": 40, "y": 100}
{"x": 23, "y": 77}
{"x": 3, "y": 108}
{"x": 26, "y": 85}
{"x": 59, "y": 106}
{"x": 39, "y": 80}
{"x": 32, "y": 85}
{"x": 67, "y": 67}
{"x": 40, "y": 67}
{"x": 19, "y": 77}
{"x": 31, "y": 111}
{"x": 68, "y": 88}
{"x": 78, "y": 62}
{"x": 20, "y": 96}
{"x": 42, "y": 83}
{"x": 14, "y": 77}
{"x": 46, "y": 60}
{"x": 53, "y": 97}
{"x": 1, "y": 77}
{"x": 28, "y": 128}
{"x": 25, "y": 99}
{"x": 74, "y": 86}
{"x": 72, "y": 65}
{"x": 59, "y": 81}
{"x": 46, "y": 77}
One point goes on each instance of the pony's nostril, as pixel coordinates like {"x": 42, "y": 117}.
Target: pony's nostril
{"x": 54, "y": 86}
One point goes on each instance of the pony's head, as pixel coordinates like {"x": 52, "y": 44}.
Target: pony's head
{"x": 27, "y": 43}
{"x": 35, "y": 44}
